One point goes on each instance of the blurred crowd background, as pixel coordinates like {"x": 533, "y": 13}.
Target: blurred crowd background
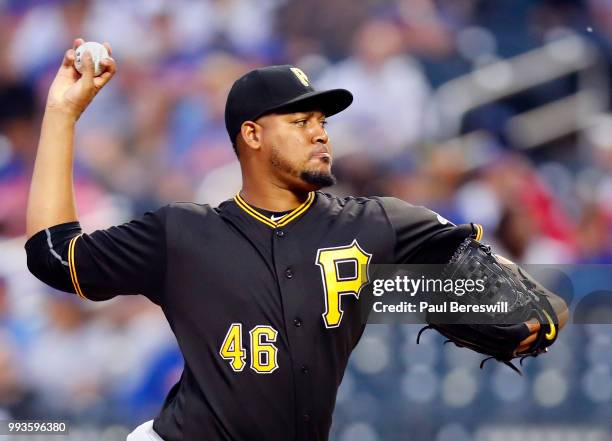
{"x": 488, "y": 111}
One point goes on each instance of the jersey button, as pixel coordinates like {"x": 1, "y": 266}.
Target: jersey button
{"x": 306, "y": 417}
{"x": 289, "y": 273}
{"x": 280, "y": 233}
{"x": 305, "y": 369}
{"x": 297, "y": 322}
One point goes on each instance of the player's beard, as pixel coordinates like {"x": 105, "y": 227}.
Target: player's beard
{"x": 317, "y": 178}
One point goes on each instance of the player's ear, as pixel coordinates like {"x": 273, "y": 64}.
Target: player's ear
{"x": 251, "y": 134}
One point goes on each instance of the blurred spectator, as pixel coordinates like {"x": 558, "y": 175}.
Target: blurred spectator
{"x": 135, "y": 349}
{"x": 594, "y": 238}
{"x": 425, "y": 32}
{"x": 14, "y": 328}
{"x": 201, "y": 144}
{"x": 601, "y": 16}
{"x": 42, "y": 34}
{"x": 16, "y": 399}
{"x": 519, "y": 239}
{"x": 549, "y": 16}
{"x": 63, "y": 365}
{"x": 18, "y": 138}
{"x": 320, "y": 27}
{"x": 392, "y": 97}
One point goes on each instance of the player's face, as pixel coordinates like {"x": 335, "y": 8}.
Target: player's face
{"x": 298, "y": 148}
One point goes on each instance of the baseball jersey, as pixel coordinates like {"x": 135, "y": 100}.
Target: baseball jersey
{"x": 265, "y": 309}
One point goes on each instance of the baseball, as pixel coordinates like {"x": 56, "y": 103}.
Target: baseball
{"x": 98, "y": 53}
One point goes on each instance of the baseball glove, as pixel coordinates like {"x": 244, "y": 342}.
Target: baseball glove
{"x": 496, "y": 334}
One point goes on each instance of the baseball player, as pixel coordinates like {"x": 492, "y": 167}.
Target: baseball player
{"x": 262, "y": 292}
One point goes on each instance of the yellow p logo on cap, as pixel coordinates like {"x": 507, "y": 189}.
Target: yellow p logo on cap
{"x": 299, "y": 73}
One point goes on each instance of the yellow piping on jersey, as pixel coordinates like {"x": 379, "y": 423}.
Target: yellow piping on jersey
{"x": 72, "y": 267}
{"x": 294, "y": 214}
{"x": 298, "y": 211}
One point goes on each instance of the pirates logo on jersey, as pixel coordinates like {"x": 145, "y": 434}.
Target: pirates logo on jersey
{"x": 336, "y": 285}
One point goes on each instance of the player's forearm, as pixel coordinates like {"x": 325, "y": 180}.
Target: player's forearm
{"x": 51, "y": 199}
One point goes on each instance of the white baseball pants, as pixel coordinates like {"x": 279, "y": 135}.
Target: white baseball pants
{"x": 144, "y": 432}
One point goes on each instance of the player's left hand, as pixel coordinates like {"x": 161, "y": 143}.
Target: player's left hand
{"x": 556, "y": 302}
{"x": 562, "y": 311}
{"x": 531, "y": 323}
{"x": 534, "y": 328}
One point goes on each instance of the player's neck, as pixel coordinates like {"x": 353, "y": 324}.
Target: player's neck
{"x": 271, "y": 197}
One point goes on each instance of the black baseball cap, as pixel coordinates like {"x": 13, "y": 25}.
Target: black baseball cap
{"x": 278, "y": 89}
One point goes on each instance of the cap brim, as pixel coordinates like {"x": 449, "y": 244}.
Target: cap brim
{"x": 329, "y": 102}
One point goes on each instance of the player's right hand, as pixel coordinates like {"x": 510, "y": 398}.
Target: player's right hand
{"x": 71, "y": 92}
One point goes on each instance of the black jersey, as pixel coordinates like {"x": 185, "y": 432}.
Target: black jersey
{"x": 265, "y": 309}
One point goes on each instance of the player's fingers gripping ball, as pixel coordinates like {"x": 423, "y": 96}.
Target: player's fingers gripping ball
{"x": 98, "y": 53}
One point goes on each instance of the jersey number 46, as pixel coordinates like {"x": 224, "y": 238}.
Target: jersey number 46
{"x": 263, "y": 358}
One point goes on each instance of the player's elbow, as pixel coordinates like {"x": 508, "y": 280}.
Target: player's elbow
{"x": 48, "y": 273}
{"x": 47, "y": 264}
